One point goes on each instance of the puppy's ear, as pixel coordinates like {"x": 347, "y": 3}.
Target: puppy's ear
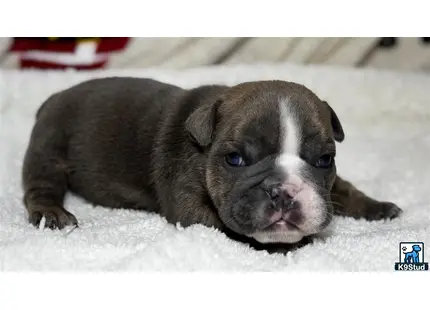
{"x": 201, "y": 123}
{"x": 338, "y": 133}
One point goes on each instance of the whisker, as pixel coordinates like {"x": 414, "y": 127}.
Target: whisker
{"x": 330, "y": 194}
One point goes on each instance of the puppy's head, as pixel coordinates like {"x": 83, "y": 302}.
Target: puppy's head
{"x": 270, "y": 149}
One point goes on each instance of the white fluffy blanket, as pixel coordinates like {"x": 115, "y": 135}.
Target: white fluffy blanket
{"x": 386, "y": 117}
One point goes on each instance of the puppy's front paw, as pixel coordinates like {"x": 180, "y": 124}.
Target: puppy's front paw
{"x": 55, "y": 217}
{"x": 380, "y": 210}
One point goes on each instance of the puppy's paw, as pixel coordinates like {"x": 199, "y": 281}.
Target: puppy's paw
{"x": 55, "y": 217}
{"x": 382, "y": 210}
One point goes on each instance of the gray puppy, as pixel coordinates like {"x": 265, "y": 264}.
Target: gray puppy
{"x": 256, "y": 161}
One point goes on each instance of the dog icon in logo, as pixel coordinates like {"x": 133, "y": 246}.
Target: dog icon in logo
{"x": 413, "y": 256}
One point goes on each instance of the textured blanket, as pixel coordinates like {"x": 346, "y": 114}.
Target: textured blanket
{"x": 386, "y": 118}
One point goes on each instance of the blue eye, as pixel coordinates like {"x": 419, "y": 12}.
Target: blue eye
{"x": 234, "y": 159}
{"x": 324, "y": 161}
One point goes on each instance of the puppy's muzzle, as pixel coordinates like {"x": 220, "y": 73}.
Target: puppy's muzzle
{"x": 283, "y": 203}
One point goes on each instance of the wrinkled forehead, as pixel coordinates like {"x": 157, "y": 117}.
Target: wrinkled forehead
{"x": 303, "y": 125}
{"x": 277, "y": 119}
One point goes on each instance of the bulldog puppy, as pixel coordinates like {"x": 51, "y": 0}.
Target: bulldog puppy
{"x": 256, "y": 160}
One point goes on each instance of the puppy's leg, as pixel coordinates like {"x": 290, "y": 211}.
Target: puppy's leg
{"x": 44, "y": 177}
{"x": 350, "y": 201}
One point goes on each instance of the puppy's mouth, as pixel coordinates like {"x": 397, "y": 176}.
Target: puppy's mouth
{"x": 291, "y": 224}
{"x": 282, "y": 221}
{"x": 281, "y": 225}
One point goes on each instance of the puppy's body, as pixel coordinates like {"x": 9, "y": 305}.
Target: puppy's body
{"x": 142, "y": 144}
{"x": 103, "y": 140}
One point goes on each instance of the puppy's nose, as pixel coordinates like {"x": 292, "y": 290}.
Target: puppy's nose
{"x": 282, "y": 199}
{"x": 276, "y": 192}
{"x": 285, "y": 191}
{"x": 280, "y": 195}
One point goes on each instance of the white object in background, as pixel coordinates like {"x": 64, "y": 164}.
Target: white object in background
{"x": 86, "y": 51}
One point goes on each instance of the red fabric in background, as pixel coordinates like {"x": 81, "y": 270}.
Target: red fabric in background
{"x": 105, "y": 45}
{"x": 44, "y": 65}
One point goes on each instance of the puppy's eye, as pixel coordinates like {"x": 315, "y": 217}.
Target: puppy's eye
{"x": 235, "y": 160}
{"x": 324, "y": 161}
